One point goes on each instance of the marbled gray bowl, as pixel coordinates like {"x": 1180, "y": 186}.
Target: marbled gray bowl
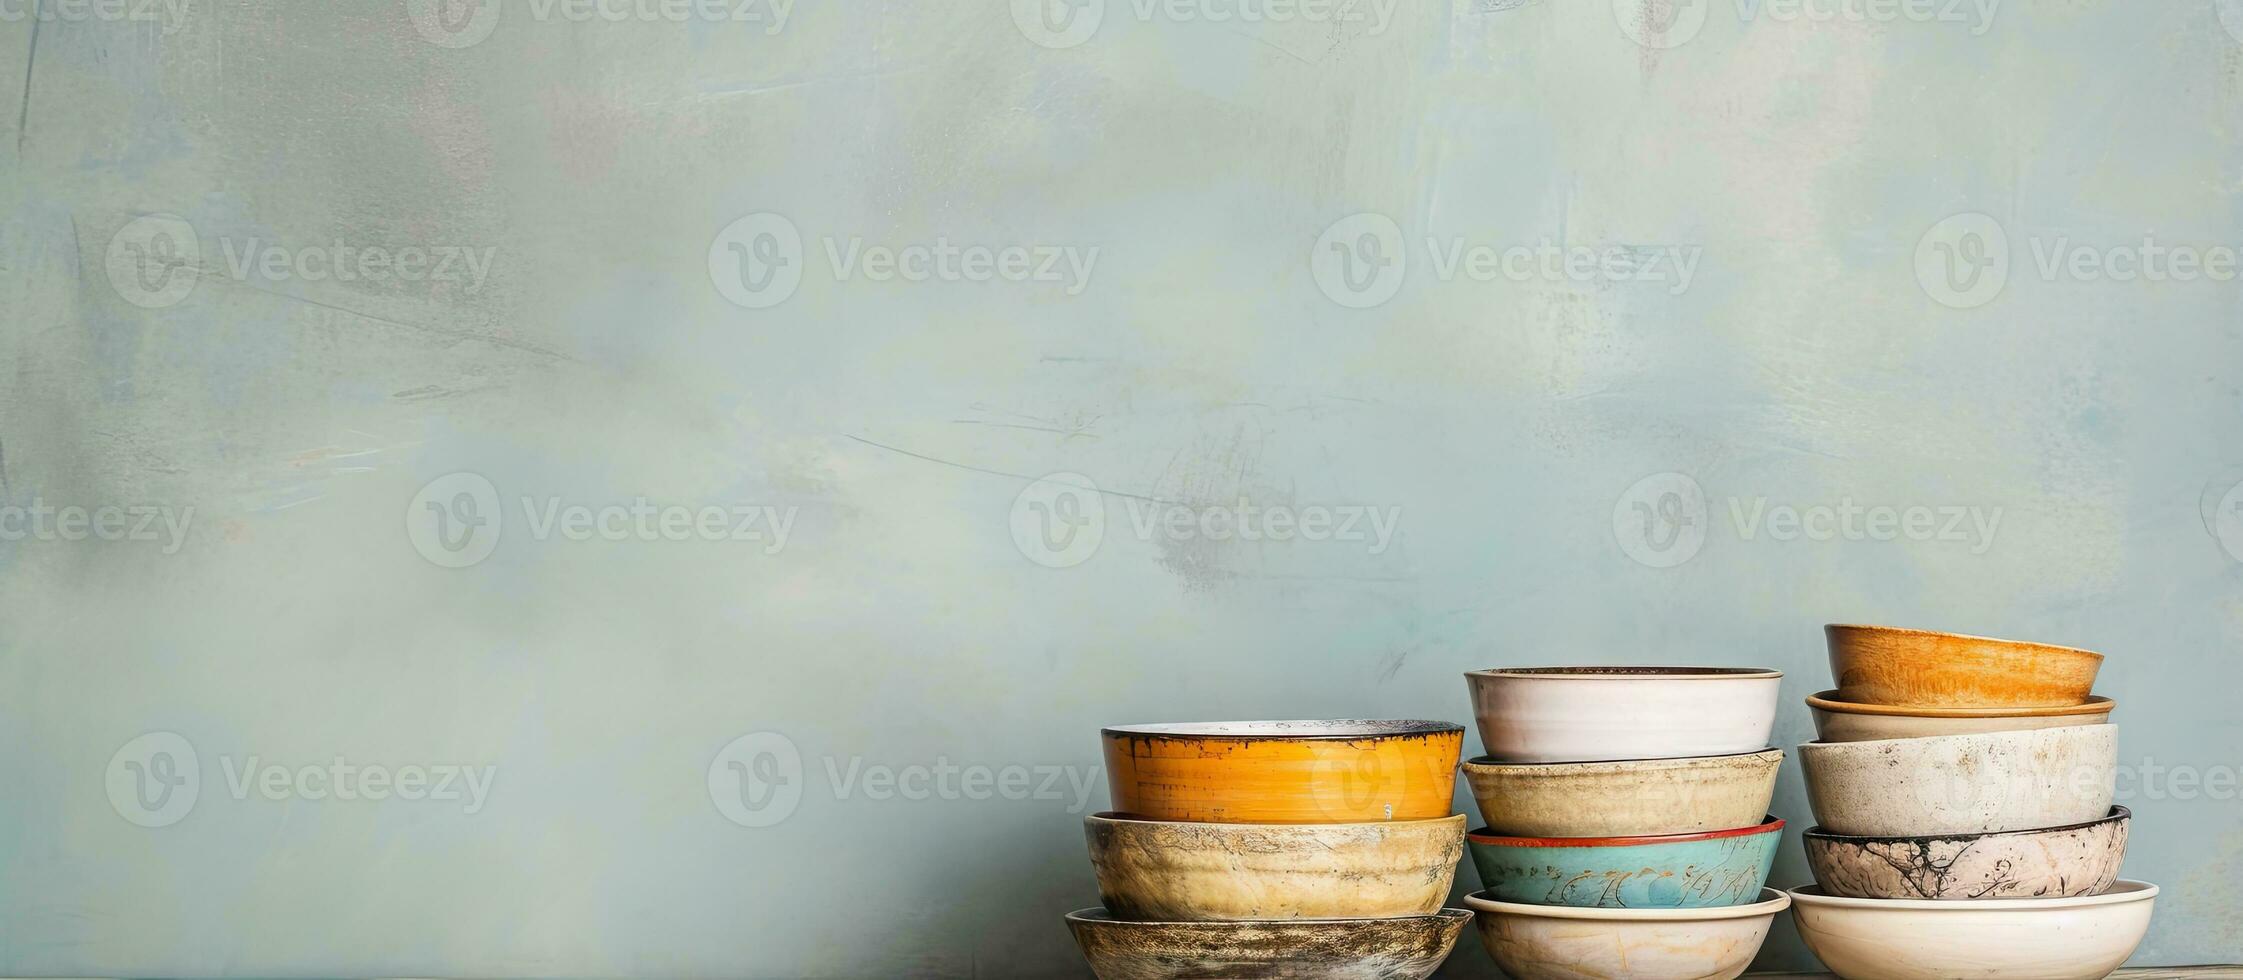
{"x": 2055, "y": 862}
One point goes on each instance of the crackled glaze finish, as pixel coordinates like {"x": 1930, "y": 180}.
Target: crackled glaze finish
{"x": 1623, "y": 799}
{"x": 2058, "y": 862}
{"x": 1357, "y": 949}
{"x": 1685, "y": 871}
{"x": 1161, "y": 871}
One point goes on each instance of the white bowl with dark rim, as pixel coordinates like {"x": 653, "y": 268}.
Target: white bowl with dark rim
{"x": 1605, "y": 714}
{"x": 2053, "y": 862}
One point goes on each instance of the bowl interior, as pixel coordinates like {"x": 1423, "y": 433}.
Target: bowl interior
{"x": 1489, "y": 762}
{"x": 1346, "y": 729}
{"x": 1843, "y": 634}
{"x": 1829, "y": 701}
{"x": 2122, "y": 891}
{"x": 1772, "y": 900}
{"x": 1100, "y": 916}
{"x": 1936, "y": 742}
{"x": 2117, "y": 813}
{"x": 1770, "y": 825}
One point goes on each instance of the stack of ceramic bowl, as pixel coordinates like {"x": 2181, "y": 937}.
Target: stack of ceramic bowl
{"x": 1628, "y": 833}
{"x": 1962, "y": 786}
{"x": 1312, "y": 849}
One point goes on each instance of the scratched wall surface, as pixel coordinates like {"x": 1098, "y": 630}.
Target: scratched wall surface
{"x": 656, "y": 488}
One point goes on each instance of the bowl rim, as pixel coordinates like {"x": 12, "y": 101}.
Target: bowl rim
{"x": 1829, "y": 632}
{"x": 1772, "y": 900}
{"x": 1284, "y": 730}
{"x": 2117, "y": 814}
{"x": 1772, "y": 824}
{"x": 1679, "y": 762}
{"x": 1829, "y": 701}
{"x": 1102, "y": 916}
{"x": 2122, "y": 891}
{"x": 1115, "y": 817}
{"x": 2061, "y": 731}
{"x": 1629, "y": 672}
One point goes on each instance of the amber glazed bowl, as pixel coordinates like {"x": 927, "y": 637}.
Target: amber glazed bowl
{"x": 1844, "y": 721}
{"x": 1922, "y": 669}
{"x": 1283, "y": 771}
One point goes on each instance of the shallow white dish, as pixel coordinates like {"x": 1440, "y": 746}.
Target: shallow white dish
{"x": 1606, "y": 714}
{"x": 2008, "y": 939}
{"x": 1556, "y": 942}
{"x": 1981, "y": 783}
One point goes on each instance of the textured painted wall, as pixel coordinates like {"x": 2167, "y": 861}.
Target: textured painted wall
{"x": 525, "y": 487}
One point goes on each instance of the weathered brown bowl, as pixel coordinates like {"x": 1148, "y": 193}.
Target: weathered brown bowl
{"x": 1922, "y": 669}
{"x": 1188, "y": 872}
{"x": 1283, "y": 771}
{"x": 1299, "y": 949}
{"x": 2055, "y": 862}
{"x": 1845, "y": 721}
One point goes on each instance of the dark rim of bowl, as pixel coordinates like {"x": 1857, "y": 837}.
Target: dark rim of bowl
{"x": 1491, "y": 762}
{"x": 1333, "y": 730}
{"x": 1773, "y": 824}
{"x": 1103, "y": 916}
{"x": 2117, "y": 813}
{"x": 1648, "y": 672}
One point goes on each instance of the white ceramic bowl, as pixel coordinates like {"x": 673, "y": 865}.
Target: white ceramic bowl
{"x": 1605, "y": 714}
{"x": 1846, "y": 721}
{"x": 1555, "y": 942}
{"x": 1983, "y": 783}
{"x": 2023, "y": 938}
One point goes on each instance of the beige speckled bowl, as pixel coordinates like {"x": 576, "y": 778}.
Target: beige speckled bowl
{"x": 1187, "y": 872}
{"x": 1635, "y": 798}
{"x": 1982, "y": 783}
{"x": 1846, "y": 721}
{"x": 1557, "y": 942}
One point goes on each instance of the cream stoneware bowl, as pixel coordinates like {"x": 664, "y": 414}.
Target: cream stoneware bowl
{"x": 1299, "y": 949}
{"x": 2011, "y": 939}
{"x": 1603, "y": 714}
{"x": 1168, "y": 871}
{"x": 1845, "y": 721}
{"x": 1924, "y": 669}
{"x": 1633, "y": 798}
{"x": 2059, "y": 862}
{"x": 1982, "y": 783}
{"x": 1540, "y": 942}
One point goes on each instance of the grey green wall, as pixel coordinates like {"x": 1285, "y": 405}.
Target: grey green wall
{"x": 924, "y": 617}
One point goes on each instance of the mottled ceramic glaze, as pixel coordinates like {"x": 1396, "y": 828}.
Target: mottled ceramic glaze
{"x": 1984, "y": 783}
{"x": 1845, "y": 721}
{"x": 1725, "y": 867}
{"x": 1624, "y": 799}
{"x": 1533, "y": 942}
{"x": 1284, "y": 771}
{"x": 1301, "y": 949}
{"x": 1166, "y": 871}
{"x": 1923, "y": 669}
{"x": 2059, "y": 862}
{"x": 1603, "y": 714}
{"x": 2014, "y": 939}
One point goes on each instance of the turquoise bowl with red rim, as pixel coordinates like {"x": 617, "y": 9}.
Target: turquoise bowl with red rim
{"x": 1676, "y": 871}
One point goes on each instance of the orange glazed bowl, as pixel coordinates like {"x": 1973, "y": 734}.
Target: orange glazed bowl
{"x": 1283, "y": 771}
{"x": 1921, "y": 669}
